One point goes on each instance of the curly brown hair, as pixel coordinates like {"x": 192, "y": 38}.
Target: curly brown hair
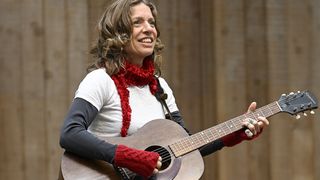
{"x": 115, "y": 30}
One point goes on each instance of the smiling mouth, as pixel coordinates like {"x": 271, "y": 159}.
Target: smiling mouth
{"x": 146, "y": 40}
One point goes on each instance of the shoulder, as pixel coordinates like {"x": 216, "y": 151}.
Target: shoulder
{"x": 96, "y": 87}
{"x": 98, "y": 74}
{"x": 98, "y": 77}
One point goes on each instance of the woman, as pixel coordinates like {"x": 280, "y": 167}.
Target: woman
{"x": 111, "y": 99}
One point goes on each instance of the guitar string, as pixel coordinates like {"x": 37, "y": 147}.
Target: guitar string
{"x": 161, "y": 149}
{"x": 237, "y": 123}
{"x": 272, "y": 106}
{"x": 166, "y": 158}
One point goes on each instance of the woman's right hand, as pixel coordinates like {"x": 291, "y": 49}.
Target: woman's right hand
{"x": 159, "y": 164}
{"x": 144, "y": 163}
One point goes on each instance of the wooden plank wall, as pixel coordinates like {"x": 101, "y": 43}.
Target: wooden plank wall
{"x": 220, "y": 55}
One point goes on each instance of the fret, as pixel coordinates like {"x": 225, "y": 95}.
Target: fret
{"x": 184, "y": 144}
{"x": 206, "y": 137}
{"x": 214, "y": 133}
{"x": 270, "y": 110}
{"x": 227, "y": 125}
{"x": 230, "y": 125}
{"x": 235, "y": 124}
{"x": 211, "y": 133}
{"x": 224, "y": 129}
{"x": 179, "y": 146}
{"x": 261, "y": 111}
{"x": 249, "y": 116}
{"x": 196, "y": 140}
{"x": 202, "y": 137}
{"x": 254, "y": 116}
{"x": 220, "y": 131}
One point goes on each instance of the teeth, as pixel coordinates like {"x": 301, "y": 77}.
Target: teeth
{"x": 146, "y": 40}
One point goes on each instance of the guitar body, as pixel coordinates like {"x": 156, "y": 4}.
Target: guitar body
{"x": 157, "y": 133}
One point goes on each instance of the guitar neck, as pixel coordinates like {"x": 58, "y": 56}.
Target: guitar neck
{"x": 209, "y": 135}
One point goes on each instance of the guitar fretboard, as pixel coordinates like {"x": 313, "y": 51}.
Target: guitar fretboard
{"x": 209, "y": 135}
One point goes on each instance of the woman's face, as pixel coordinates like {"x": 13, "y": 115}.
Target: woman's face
{"x": 144, "y": 34}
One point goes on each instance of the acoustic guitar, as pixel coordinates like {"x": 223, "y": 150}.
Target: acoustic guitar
{"x": 179, "y": 151}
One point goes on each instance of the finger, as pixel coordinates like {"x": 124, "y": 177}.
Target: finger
{"x": 256, "y": 125}
{"x": 264, "y": 120}
{"x": 249, "y": 124}
{"x": 252, "y": 129}
{"x": 159, "y": 164}
{"x": 160, "y": 159}
{"x": 261, "y": 125}
{"x": 252, "y": 107}
{"x": 155, "y": 171}
{"x": 248, "y": 133}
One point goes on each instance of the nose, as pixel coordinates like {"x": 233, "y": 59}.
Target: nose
{"x": 147, "y": 27}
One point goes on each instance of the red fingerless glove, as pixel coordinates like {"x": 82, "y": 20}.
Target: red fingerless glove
{"x": 237, "y": 137}
{"x": 138, "y": 161}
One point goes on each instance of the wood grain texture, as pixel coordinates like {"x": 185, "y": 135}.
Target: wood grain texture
{"x": 315, "y": 85}
{"x": 12, "y": 153}
{"x": 281, "y": 148}
{"x": 230, "y": 79}
{"x": 299, "y": 35}
{"x": 33, "y": 103}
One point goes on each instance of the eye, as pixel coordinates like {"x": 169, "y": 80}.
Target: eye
{"x": 137, "y": 22}
{"x": 152, "y": 23}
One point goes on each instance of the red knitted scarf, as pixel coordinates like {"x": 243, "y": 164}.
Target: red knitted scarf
{"x": 132, "y": 75}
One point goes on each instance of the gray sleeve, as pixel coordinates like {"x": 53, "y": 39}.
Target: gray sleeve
{"x": 76, "y": 139}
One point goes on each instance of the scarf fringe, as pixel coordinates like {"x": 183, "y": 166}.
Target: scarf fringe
{"x": 132, "y": 75}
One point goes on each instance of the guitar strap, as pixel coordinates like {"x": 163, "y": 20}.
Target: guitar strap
{"x": 161, "y": 97}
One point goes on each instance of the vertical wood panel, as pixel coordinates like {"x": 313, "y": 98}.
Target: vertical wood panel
{"x": 257, "y": 82}
{"x": 207, "y": 78}
{"x": 299, "y": 64}
{"x": 315, "y": 86}
{"x": 56, "y": 86}
{"x": 78, "y": 43}
{"x": 12, "y": 143}
{"x": 35, "y": 150}
{"x": 281, "y": 125}
{"x": 189, "y": 76}
{"x": 95, "y": 11}
{"x": 230, "y": 79}
{"x": 169, "y": 25}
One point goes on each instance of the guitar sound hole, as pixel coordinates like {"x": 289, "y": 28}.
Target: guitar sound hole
{"x": 164, "y": 153}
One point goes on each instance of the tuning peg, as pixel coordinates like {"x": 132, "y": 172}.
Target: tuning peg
{"x": 283, "y": 95}
{"x": 305, "y": 114}
{"x": 291, "y": 93}
{"x": 312, "y": 112}
{"x": 298, "y": 116}
{"x": 298, "y": 92}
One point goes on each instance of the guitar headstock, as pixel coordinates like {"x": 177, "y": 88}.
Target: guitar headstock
{"x": 295, "y": 103}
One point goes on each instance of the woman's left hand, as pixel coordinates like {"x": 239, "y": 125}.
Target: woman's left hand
{"x": 254, "y": 126}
